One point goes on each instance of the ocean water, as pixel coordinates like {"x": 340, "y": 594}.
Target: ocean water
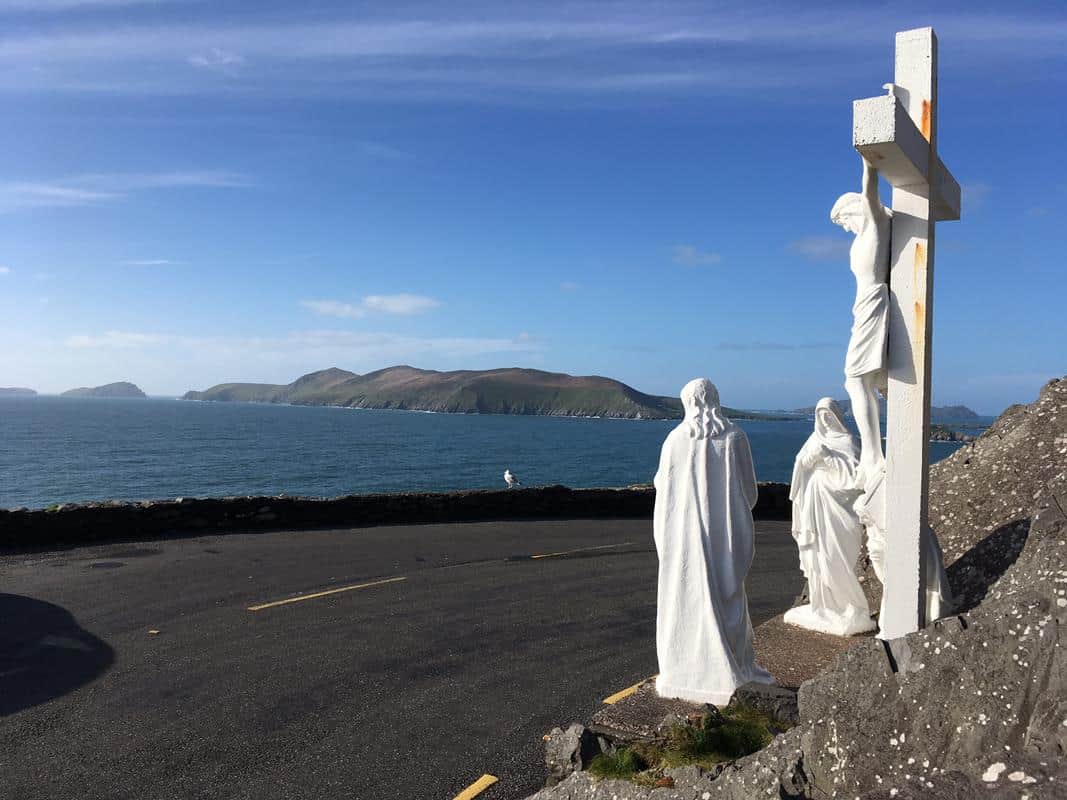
{"x": 62, "y": 450}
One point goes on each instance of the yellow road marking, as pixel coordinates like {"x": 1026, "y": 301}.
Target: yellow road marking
{"x": 477, "y": 787}
{"x": 302, "y": 597}
{"x": 580, "y": 550}
{"x": 625, "y": 692}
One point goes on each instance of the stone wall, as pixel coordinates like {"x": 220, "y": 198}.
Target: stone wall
{"x": 68, "y": 525}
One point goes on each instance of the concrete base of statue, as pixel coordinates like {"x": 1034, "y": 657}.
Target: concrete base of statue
{"x": 850, "y": 623}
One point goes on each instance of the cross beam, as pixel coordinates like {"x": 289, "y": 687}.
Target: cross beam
{"x": 898, "y": 134}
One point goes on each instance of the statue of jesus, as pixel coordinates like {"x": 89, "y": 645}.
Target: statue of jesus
{"x": 705, "y": 539}
{"x": 865, "y": 364}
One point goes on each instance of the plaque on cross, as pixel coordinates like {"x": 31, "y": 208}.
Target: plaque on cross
{"x": 897, "y": 134}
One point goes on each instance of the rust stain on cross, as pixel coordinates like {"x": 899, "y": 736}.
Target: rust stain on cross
{"x": 918, "y": 333}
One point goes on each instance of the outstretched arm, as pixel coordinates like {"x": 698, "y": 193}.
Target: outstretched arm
{"x": 872, "y": 204}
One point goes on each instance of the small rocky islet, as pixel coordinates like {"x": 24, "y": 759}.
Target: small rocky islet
{"x": 121, "y": 389}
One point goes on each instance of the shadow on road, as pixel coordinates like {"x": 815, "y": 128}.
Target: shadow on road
{"x": 44, "y": 653}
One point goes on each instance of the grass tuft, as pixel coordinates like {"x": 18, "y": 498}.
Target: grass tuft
{"x": 740, "y": 731}
{"x": 623, "y": 763}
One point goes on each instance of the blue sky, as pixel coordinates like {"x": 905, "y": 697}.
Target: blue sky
{"x": 193, "y": 192}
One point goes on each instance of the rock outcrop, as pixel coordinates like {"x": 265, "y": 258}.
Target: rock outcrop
{"x": 973, "y": 705}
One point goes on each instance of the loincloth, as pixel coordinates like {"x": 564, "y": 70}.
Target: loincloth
{"x": 870, "y": 324}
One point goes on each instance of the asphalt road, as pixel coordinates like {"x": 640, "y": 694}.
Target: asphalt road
{"x": 409, "y": 689}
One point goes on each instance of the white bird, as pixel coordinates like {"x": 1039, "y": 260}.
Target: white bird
{"x": 510, "y": 479}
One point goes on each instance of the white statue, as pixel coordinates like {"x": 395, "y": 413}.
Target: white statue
{"x": 827, "y": 531}
{"x": 865, "y": 365}
{"x": 705, "y": 492}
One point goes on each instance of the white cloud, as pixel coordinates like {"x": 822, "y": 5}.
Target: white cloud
{"x": 821, "y": 248}
{"x": 334, "y": 308}
{"x": 163, "y": 364}
{"x": 95, "y": 188}
{"x": 404, "y": 304}
{"x": 689, "y": 256}
{"x": 570, "y": 286}
{"x": 5, "y": 270}
{"x": 47, "y": 195}
{"x": 115, "y": 339}
{"x": 399, "y": 303}
{"x": 149, "y": 262}
{"x": 216, "y": 58}
{"x": 442, "y": 51}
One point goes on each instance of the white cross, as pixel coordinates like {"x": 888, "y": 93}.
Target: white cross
{"x": 897, "y": 133}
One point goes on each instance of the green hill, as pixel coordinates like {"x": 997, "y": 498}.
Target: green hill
{"x": 120, "y": 389}
{"x": 497, "y": 391}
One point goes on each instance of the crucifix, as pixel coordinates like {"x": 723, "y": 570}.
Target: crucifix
{"x": 897, "y": 135}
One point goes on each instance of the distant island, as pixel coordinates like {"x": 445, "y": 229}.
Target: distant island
{"x": 120, "y": 389}
{"x": 496, "y": 391}
{"x": 17, "y": 392}
{"x": 943, "y": 415}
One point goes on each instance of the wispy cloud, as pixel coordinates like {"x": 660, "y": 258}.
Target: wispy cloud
{"x": 67, "y": 5}
{"x": 821, "y": 248}
{"x": 5, "y": 270}
{"x": 558, "y": 48}
{"x": 404, "y": 304}
{"x": 149, "y": 262}
{"x": 570, "y": 286}
{"x": 975, "y": 194}
{"x": 770, "y": 346}
{"x": 299, "y": 350}
{"x": 96, "y": 188}
{"x": 48, "y": 195}
{"x": 216, "y": 58}
{"x": 689, "y": 256}
{"x": 399, "y": 303}
{"x": 115, "y": 340}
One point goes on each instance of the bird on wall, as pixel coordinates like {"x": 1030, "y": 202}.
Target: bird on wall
{"x": 510, "y": 479}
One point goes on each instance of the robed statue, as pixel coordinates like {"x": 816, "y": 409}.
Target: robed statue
{"x": 827, "y": 530}
{"x": 705, "y": 492}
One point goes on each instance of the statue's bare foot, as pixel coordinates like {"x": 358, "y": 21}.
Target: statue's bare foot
{"x": 859, "y": 482}
{"x": 868, "y": 475}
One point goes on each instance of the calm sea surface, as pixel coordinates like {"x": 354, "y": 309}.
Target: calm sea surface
{"x": 61, "y": 450}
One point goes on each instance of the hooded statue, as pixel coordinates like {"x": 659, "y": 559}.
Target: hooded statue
{"x": 702, "y": 524}
{"x": 826, "y": 528}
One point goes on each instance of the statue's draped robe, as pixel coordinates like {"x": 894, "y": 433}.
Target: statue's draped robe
{"x": 870, "y": 327}
{"x": 705, "y": 491}
{"x": 828, "y": 531}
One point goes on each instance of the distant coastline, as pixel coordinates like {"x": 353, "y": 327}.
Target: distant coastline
{"x": 501, "y": 391}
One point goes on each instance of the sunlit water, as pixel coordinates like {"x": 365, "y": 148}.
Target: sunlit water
{"x": 61, "y": 450}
